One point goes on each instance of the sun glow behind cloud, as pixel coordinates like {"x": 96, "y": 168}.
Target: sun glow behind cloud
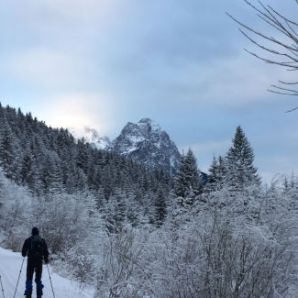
{"x": 46, "y": 68}
{"x": 76, "y": 111}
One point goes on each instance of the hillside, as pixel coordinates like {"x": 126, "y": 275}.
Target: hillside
{"x": 46, "y": 159}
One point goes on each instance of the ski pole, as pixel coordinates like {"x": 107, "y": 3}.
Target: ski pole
{"x": 2, "y": 287}
{"x": 51, "y": 280}
{"x": 15, "y": 291}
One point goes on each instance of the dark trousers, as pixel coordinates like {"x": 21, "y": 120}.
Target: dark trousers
{"x": 34, "y": 265}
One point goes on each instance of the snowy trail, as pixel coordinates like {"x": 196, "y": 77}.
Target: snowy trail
{"x": 10, "y": 265}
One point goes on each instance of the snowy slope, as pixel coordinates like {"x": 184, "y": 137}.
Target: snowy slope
{"x": 10, "y": 264}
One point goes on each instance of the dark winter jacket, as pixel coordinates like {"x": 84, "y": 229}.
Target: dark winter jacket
{"x": 26, "y": 251}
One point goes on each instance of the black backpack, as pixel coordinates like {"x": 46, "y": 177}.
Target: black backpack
{"x": 36, "y": 248}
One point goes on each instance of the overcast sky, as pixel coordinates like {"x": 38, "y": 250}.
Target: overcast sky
{"x": 102, "y": 63}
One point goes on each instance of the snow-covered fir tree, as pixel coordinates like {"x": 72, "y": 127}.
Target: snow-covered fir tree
{"x": 160, "y": 208}
{"x": 187, "y": 180}
{"x": 239, "y": 167}
{"x": 217, "y": 172}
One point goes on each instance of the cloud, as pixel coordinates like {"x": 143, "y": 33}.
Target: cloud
{"x": 61, "y": 11}
{"x": 236, "y": 81}
{"x": 76, "y": 111}
{"x": 46, "y": 68}
{"x": 143, "y": 48}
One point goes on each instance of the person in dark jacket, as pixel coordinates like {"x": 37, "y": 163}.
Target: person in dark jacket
{"x": 35, "y": 248}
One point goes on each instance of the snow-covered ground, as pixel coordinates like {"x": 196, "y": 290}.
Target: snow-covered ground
{"x": 10, "y": 264}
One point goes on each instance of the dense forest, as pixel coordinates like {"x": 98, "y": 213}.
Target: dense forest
{"x": 47, "y": 161}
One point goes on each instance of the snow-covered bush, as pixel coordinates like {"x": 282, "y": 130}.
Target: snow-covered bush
{"x": 209, "y": 255}
{"x": 214, "y": 258}
{"x": 224, "y": 244}
{"x": 121, "y": 272}
{"x": 15, "y": 205}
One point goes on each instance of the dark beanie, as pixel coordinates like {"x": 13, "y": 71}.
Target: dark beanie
{"x": 35, "y": 231}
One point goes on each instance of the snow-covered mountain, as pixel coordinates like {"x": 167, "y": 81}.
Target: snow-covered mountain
{"x": 145, "y": 142}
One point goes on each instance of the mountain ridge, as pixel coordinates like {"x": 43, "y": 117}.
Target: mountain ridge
{"x": 144, "y": 142}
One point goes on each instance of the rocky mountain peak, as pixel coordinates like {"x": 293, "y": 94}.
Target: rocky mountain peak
{"x": 149, "y": 124}
{"x": 145, "y": 142}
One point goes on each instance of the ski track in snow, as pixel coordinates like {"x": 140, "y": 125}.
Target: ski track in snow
{"x": 10, "y": 265}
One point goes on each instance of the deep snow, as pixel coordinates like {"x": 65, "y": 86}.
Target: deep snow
{"x": 10, "y": 264}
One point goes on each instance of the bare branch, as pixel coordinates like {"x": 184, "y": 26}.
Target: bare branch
{"x": 288, "y": 83}
{"x": 292, "y": 110}
{"x": 281, "y": 93}
{"x": 268, "y": 49}
{"x": 280, "y": 63}
{"x": 271, "y": 39}
{"x": 283, "y": 45}
{"x": 285, "y": 18}
{"x": 284, "y": 89}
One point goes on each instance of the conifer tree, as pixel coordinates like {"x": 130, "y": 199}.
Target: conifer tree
{"x": 27, "y": 172}
{"x": 160, "y": 208}
{"x": 187, "y": 181}
{"x": 115, "y": 211}
{"x": 8, "y": 152}
{"x": 217, "y": 173}
{"x": 239, "y": 165}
